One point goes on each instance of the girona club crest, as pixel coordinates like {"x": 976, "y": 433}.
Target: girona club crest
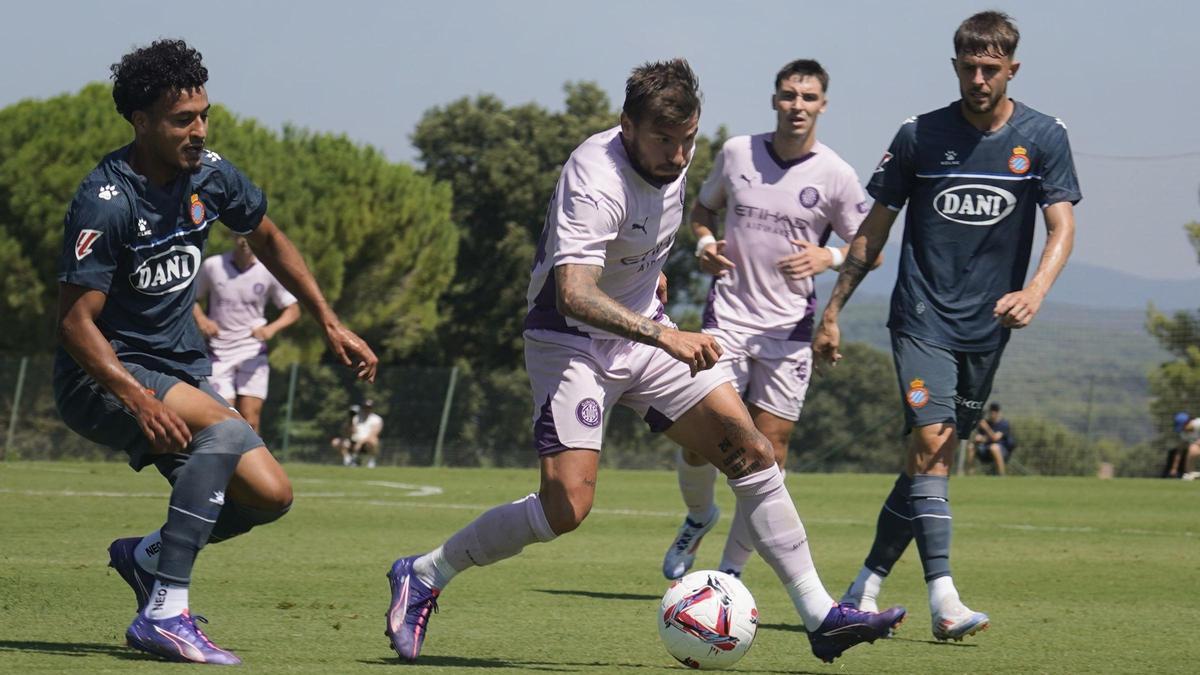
{"x": 83, "y": 245}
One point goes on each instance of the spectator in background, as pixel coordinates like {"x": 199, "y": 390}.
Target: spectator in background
{"x": 342, "y": 443}
{"x": 1181, "y": 460}
{"x": 364, "y": 437}
{"x": 993, "y": 441}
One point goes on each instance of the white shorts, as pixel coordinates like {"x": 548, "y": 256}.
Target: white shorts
{"x": 770, "y": 373}
{"x": 240, "y": 377}
{"x": 576, "y": 379}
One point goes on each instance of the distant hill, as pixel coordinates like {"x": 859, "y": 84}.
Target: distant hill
{"x": 1080, "y": 284}
{"x": 1077, "y": 365}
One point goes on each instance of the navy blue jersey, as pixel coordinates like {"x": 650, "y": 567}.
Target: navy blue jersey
{"x": 142, "y": 245}
{"x": 972, "y": 206}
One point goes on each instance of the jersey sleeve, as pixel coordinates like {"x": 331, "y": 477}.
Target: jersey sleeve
{"x": 1059, "y": 181}
{"x": 93, "y": 236}
{"x": 892, "y": 182}
{"x": 712, "y": 192}
{"x": 280, "y": 296}
{"x": 850, "y": 205}
{"x": 587, "y": 217}
{"x": 244, "y": 204}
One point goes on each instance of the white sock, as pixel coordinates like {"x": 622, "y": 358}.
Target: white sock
{"x": 147, "y": 550}
{"x": 497, "y": 534}
{"x": 811, "y": 600}
{"x": 781, "y": 540}
{"x": 739, "y": 546}
{"x": 696, "y": 486}
{"x": 434, "y": 569}
{"x": 943, "y": 596}
{"x": 166, "y": 601}
{"x": 866, "y": 585}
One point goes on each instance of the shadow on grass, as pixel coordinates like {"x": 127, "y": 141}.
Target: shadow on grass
{"x": 552, "y": 666}
{"x": 599, "y": 595}
{"x": 75, "y": 649}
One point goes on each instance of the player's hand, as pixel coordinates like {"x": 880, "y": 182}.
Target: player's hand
{"x": 661, "y": 290}
{"x": 826, "y": 342}
{"x": 697, "y": 350}
{"x": 164, "y": 427}
{"x": 352, "y": 351}
{"x": 262, "y": 333}
{"x": 208, "y": 328}
{"x": 1017, "y": 309}
{"x": 809, "y": 261}
{"x": 713, "y": 260}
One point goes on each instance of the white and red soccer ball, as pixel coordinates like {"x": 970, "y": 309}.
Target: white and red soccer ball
{"x": 707, "y": 620}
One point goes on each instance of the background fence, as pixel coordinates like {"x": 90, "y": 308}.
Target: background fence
{"x": 1077, "y": 395}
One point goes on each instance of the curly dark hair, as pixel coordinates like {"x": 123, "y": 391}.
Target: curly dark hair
{"x": 146, "y": 73}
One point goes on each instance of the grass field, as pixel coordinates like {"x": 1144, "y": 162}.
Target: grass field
{"x": 1078, "y": 575}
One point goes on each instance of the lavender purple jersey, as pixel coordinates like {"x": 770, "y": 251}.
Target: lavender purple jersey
{"x": 768, "y": 202}
{"x": 606, "y": 213}
{"x": 237, "y": 301}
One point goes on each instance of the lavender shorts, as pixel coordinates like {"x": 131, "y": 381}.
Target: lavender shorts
{"x": 770, "y": 373}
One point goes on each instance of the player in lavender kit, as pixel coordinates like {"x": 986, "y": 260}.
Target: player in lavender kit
{"x": 596, "y": 336}
{"x": 237, "y": 287}
{"x": 973, "y": 175}
{"x": 784, "y": 194}
{"x": 131, "y": 369}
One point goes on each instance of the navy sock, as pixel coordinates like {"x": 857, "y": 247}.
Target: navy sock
{"x": 893, "y": 530}
{"x": 197, "y": 498}
{"x": 931, "y": 524}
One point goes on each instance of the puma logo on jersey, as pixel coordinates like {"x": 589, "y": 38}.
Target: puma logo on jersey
{"x": 639, "y": 226}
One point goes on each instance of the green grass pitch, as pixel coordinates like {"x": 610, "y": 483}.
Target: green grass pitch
{"x": 1078, "y": 575}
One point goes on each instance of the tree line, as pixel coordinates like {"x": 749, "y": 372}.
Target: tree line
{"x": 431, "y": 265}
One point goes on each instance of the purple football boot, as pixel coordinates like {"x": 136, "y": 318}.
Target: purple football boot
{"x": 845, "y": 627}
{"x": 120, "y": 558}
{"x": 412, "y": 602}
{"x": 177, "y": 639}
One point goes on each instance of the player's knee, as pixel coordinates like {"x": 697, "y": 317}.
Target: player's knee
{"x": 566, "y": 509}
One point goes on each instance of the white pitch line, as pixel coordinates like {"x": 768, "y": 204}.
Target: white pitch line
{"x": 358, "y": 498}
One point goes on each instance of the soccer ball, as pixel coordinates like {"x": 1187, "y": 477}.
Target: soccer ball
{"x": 707, "y": 620}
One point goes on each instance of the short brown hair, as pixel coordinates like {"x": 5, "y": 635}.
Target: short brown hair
{"x": 663, "y": 92}
{"x": 991, "y": 33}
{"x": 803, "y": 68}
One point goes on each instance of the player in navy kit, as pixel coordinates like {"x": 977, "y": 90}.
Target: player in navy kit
{"x": 131, "y": 369}
{"x": 973, "y": 175}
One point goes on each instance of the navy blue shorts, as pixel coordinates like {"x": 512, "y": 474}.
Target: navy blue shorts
{"x": 941, "y": 385}
{"x": 93, "y": 412}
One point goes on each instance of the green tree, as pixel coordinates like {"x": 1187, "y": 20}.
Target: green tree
{"x": 1175, "y": 385}
{"x": 377, "y": 235}
{"x": 503, "y": 163}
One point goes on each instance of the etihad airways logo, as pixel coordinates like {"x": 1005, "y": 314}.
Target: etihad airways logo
{"x": 975, "y": 204}
{"x": 166, "y": 272}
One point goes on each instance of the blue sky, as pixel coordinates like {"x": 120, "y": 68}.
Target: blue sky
{"x": 1122, "y": 77}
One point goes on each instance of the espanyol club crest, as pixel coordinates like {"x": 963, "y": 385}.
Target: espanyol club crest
{"x": 84, "y": 243}
{"x": 1019, "y": 162}
{"x": 917, "y": 395}
{"x": 196, "y": 210}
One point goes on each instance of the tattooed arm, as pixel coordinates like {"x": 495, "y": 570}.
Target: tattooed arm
{"x": 864, "y": 251}
{"x": 581, "y": 299}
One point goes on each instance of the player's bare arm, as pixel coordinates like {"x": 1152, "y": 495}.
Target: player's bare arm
{"x": 208, "y": 327}
{"x": 863, "y": 254}
{"x": 281, "y": 257}
{"x": 1017, "y": 309}
{"x": 288, "y": 316}
{"x": 813, "y": 259}
{"x": 78, "y": 308}
{"x": 712, "y": 254}
{"x": 580, "y": 298}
